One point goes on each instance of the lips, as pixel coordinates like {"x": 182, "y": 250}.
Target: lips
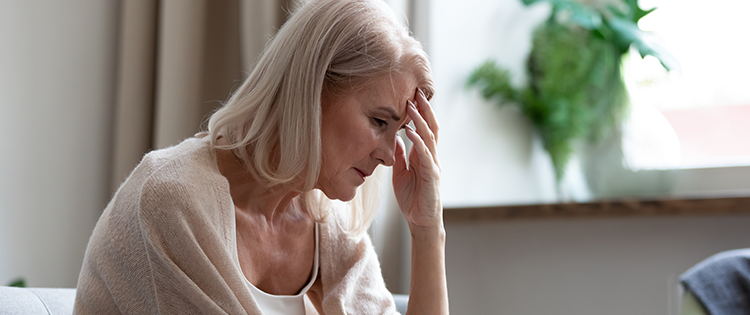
{"x": 362, "y": 173}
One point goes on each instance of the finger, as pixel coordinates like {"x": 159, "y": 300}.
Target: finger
{"x": 423, "y": 105}
{"x": 422, "y": 128}
{"x": 399, "y": 164}
{"x": 418, "y": 145}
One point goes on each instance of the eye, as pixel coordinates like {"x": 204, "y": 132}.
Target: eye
{"x": 379, "y": 122}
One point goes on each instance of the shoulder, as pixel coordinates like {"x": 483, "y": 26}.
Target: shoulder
{"x": 190, "y": 162}
{"x": 192, "y": 157}
{"x": 177, "y": 180}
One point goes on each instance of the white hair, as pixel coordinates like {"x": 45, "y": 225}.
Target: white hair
{"x": 272, "y": 122}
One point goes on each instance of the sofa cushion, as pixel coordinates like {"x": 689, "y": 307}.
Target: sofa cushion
{"x": 36, "y": 301}
{"x": 60, "y": 301}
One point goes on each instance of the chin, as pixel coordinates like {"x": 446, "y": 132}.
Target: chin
{"x": 340, "y": 194}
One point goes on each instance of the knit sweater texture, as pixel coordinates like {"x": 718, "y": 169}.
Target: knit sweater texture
{"x": 164, "y": 245}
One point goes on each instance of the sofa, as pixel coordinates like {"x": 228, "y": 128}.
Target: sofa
{"x": 33, "y": 301}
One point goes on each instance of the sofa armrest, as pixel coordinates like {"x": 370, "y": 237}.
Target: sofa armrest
{"x": 36, "y": 301}
{"x": 60, "y": 301}
{"x": 402, "y": 301}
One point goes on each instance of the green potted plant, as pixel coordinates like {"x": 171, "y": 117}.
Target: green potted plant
{"x": 21, "y": 283}
{"x": 575, "y": 89}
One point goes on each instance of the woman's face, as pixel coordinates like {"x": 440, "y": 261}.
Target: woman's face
{"x": 358, "y": 132}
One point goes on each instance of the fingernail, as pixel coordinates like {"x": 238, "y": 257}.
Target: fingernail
{"x": 409, "y": 127}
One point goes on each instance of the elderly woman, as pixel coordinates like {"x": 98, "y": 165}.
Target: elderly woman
{"x": 239, "y": 219}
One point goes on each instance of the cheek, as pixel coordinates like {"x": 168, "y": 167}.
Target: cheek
{"x": 339, "y": 147}
{"x": 361, "y": 142}
{"x": 355, "y": 140}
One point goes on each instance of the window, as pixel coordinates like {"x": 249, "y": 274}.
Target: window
{"x": 699, "y": 115}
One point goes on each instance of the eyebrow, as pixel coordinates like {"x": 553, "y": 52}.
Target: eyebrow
{"x": 391, "y": 112}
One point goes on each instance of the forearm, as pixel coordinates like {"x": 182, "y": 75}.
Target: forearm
{"x": 429, "y": 289}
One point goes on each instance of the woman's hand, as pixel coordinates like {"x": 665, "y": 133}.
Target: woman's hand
{"x": 417, "y": 188}
{"x": 418, "y": 194}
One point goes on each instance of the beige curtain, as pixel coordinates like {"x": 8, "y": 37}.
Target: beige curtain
{"x": 178, "y": 60}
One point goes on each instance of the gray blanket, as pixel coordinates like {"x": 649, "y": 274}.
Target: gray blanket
{"x": 722, "y": 282}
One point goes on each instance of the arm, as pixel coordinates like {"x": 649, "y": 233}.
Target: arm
{"x": 428, "y": 293}
{"x": 418, "y": 193}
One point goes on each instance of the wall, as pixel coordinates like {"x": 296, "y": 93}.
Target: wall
{"x": 491, "y": 156}
{"x": 56, "y": 84}
{"x": 617, "y": 266}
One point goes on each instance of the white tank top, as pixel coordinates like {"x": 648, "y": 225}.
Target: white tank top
{"x": 283, "y": 304}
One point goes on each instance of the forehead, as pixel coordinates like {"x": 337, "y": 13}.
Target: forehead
{"x": 392, "y": 89}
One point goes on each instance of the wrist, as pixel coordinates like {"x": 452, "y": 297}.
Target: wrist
{"x": 427, "y": 234}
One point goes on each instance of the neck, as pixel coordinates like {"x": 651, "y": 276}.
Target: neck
{"x": 253, "y": 196}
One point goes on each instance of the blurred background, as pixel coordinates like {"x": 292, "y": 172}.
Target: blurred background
{"x": 87, "y": 87}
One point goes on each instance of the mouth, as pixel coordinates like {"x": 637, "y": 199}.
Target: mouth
{"x": 361, "y": 173}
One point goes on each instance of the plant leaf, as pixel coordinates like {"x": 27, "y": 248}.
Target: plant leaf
{"x": 493, "y": 82}
{"x": 581, "y": 15}
{"x": 20, "y": 283}
{"x": 640, "y": 13}
{"x": 628, "y": 33}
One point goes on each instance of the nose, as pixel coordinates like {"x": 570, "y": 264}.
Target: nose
{"x": 386, "y": 150}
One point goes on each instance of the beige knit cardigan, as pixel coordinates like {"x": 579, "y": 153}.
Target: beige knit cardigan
{"x": 164, "y": 245}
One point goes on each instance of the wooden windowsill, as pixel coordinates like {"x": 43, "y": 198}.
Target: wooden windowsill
{"x": 605, "y": 208}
